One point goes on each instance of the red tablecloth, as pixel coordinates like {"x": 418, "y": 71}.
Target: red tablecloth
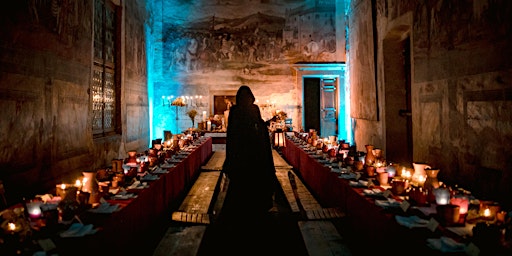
{"x": 370, "y": 225}
{"x": 127, "y": 230}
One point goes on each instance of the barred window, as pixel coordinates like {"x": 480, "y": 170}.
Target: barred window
{"x": 105, "y": 82}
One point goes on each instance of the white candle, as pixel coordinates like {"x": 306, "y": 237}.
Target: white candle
{"x": 442, "y": 196}
{"x": 34, "y": 209}
{"x": 11, "y": 226}
{"x": 209, "y": 125}
{"x": 421, "y": 180}
{"x": 204, "y": 116}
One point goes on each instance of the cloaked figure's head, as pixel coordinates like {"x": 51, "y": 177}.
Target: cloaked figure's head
{"x": 244, "y": 96}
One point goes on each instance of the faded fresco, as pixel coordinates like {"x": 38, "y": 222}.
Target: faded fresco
{"x": 246, "y": 41}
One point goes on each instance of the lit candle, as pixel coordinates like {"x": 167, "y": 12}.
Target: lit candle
{"x": 126, "y": 168}
{"x": 11, "y": 226}
{"x": 391, "y": 170}
{"x": 462, "y": 202}
{"x": 442, "y": 196}
{"x": 421, "y": 180}
{"x": 204, "y": 116}
{"x": 61, "y": 190}
{"x": 34, "y": 210}
{"x": 487, "y": 212}
{"x": 406, "y": 174}
{"x": 380, "y": 167}
{"x": 209, "y": 125}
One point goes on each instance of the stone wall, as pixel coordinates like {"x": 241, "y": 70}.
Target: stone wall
{"x": 460, "y": 89}
{"x": 45, "y": 83}
{"x": 251, "y": 43}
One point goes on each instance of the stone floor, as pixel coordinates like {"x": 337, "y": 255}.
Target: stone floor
{"x": 278, "y": 234}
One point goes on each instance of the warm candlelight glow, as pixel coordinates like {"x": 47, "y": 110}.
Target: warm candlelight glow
{"x": 63, "y": 186}
{"x": 406, "y": 174}
{"x": 422, "y": 179}
{"x": 462, "y": 202}
{"x": 442, "y": 196}
{"x": 78, "y": 183}
{"x": 34, "y": 209}
{"x": 487, "y": 212}
{"x": 11, "y": 226}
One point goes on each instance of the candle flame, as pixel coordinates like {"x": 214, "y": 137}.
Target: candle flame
{"x": 487, "y": 212}
{"x": 63, "y": 186}
{"x": 11, "y": 226}
{"x": 406, "y": 174}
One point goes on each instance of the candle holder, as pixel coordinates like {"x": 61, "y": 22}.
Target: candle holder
{"x": 448, "y": 214}
{"x": 442, "y": 196}
{"x": 370, "y": 171}
{"x": 488, "y": 210}
{"x": 16, "y": 231}
{"x": 501, "y": 216}
{"x": 398, "y": 186}
{"x": 34, "y": 209}
{"x": 418, "y": 196}
{"x": 90, "y": 185}
{"x": 382, "y": 178}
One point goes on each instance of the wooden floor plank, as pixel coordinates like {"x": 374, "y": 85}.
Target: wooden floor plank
{"x": 180, "y": 241}
{"x": 282, "y": 177}
{"x": 279, "y": 161}
{"x": 307, "y": 202}
{"x": 322, "y": 238}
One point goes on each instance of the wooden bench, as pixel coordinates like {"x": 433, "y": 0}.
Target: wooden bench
{"x": 215, "y": 162}
{"x": 196, "y": 204}
{"x": 198, "y": 209}
{"x": 209, "y": 187}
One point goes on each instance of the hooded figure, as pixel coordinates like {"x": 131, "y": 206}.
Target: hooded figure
{"x": 249, "y": 164}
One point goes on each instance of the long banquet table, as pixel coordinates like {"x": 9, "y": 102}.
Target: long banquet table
{"x": 373, "y": 229}
{"x": 128, "y": 230}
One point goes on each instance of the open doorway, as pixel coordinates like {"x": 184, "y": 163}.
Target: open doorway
{"x": 323, "y": 91}
{"x": 312, "y": 103}
{"x": 397, "y": 96}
